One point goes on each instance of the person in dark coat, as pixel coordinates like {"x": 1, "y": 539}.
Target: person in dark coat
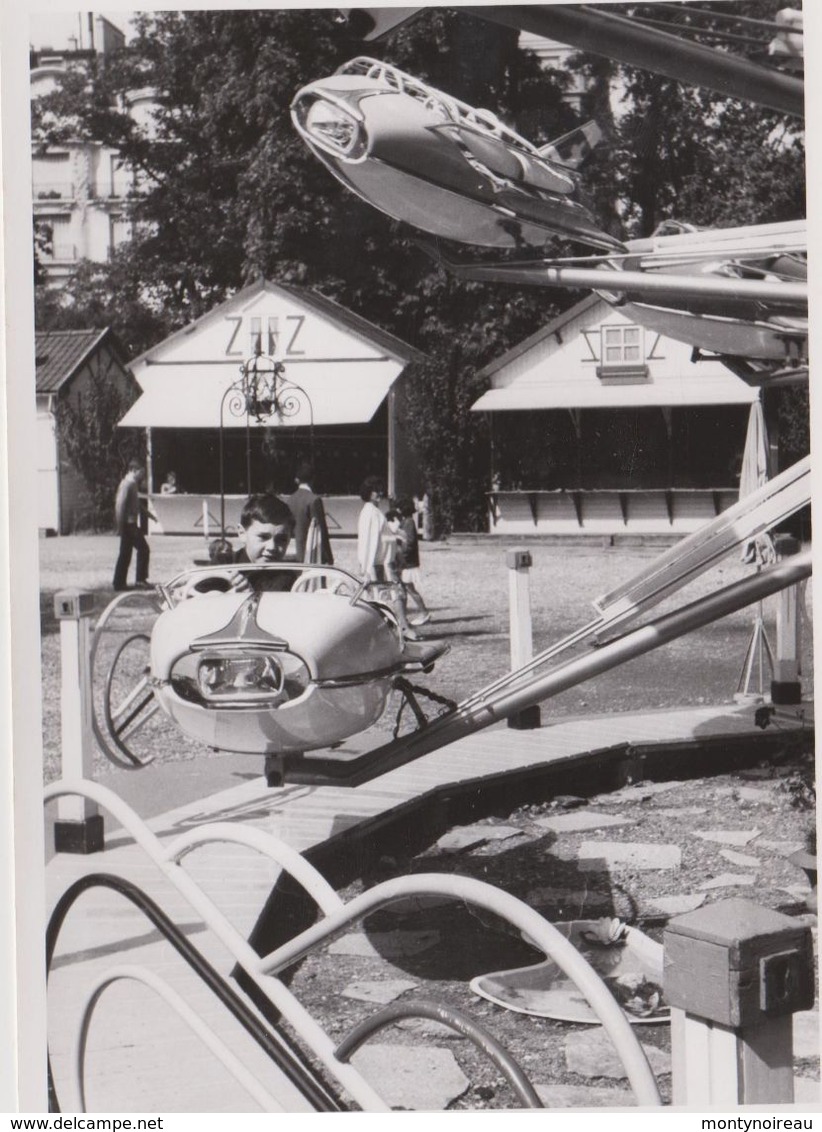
{"x": 306, "y": 505}
{"x": 129, "y": 528}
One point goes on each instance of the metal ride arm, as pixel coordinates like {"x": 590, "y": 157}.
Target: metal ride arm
{"x": 335, "y": 916}
{"x": 514, "y": 693}
{"x": 654, "y": 284}
{"x": 756, "y": 513}
{"x": 622, "y": 39}
{"x": 770, "y": 504}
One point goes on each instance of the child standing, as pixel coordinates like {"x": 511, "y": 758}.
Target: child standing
{"x": 408, "y": 559}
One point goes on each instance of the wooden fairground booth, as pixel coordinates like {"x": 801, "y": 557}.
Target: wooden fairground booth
{"x": 602, "y": 427}
{"x": 337, "y": 406}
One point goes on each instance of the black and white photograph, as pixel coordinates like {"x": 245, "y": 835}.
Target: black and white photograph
{"x": 406, "y": 550}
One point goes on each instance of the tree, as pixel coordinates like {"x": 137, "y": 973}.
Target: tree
{"x": 228, "y": 192}
{"x": 99, "y": 295}
{"x": 89, "y": 437}
{"x": 693, "y": 154}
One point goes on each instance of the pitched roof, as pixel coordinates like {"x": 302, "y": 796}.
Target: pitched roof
{"x": 58, "y": 354}
{"x": 552, "y": 327}
{"x": 354, "y": 322}
{"x": 394, "y": 347}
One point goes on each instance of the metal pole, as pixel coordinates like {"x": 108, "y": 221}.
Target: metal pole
{"x": 660, "y": 284}
{"x": 519, "y": 564}
{"x": 786, "y": 687}
{"x": 222, "y": 464}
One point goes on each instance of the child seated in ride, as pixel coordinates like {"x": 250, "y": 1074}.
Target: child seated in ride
{"x": 265, "y": 530}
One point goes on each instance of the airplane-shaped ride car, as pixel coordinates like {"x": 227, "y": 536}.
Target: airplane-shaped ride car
{"x": 305, "y": 659}
{"x": 455, "y": 172}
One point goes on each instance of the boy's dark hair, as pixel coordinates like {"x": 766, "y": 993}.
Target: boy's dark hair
{"x": 135, "y": 465}
{"x": 392, "y": 514}
{"x": 266, "y": 508}
{"x": 370, "y": 485}
{"x": 304, "y": 472}
{"x": 405, "y": 506}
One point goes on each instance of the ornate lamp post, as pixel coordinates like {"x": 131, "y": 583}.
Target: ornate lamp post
{"x": 260, "y": 393}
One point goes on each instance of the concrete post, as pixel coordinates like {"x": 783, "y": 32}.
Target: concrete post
{"x": 785, "y": 686}
{"x": 735, "y": 973}
{"x": 79, "y": 825}
{"x": 519, "y": 564}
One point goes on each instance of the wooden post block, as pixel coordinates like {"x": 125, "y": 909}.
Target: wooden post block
{"x": 79, "y": 825}
{"x": 519, "y": 564}
{"x": 734, "y": 975}
{"x": 785, "y": 686}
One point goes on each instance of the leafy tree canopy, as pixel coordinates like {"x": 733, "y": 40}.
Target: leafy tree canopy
{"x": 228, "y": 192}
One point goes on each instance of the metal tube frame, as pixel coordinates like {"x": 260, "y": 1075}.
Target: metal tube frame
{"x": 192, "y": 1019}
{"x": 261, "y": 970}
{"x": 272, "y": 1043}
{"x": 455, "y": 1020}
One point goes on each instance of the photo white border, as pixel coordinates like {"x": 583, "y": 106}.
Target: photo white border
{"x": 22, "y": 879}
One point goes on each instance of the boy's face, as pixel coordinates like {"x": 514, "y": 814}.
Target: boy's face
{"x": 265, "y": 542}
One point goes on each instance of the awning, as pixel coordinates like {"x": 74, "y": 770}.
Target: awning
{"x": 190, "y": 396}
{"x": 555, "y": 394}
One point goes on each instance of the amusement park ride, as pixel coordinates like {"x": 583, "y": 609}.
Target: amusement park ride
{"x": 291, "y": 675}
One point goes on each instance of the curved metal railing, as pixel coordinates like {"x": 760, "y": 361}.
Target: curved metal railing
{"x": 455, "y": 1020}
{"x": 337, "y": 915}
{"x": 166, "y": 859}
{"x": 282, "y": 1053}
{"x": 266, "y": 1100}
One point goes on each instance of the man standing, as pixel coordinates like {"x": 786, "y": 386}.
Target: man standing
{"x": 127, "y": 516}
{"x": 306, "y": 505}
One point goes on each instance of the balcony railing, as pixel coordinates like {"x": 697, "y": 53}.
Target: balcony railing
{"x": 60, "y": 253}
{"x": 54, "y": 190}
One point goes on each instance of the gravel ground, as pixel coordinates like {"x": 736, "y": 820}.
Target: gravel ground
{"x": 765, "y": 810}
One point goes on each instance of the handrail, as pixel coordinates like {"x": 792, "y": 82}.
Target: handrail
{"x": 287, "y": 1059}
{"x": 116, "y": 751}
{"x": 247, "y": 958}
{"x": 193, "y": 1020}
{"x": 457, "y": 1021}
{"x": 539, "y": 932}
